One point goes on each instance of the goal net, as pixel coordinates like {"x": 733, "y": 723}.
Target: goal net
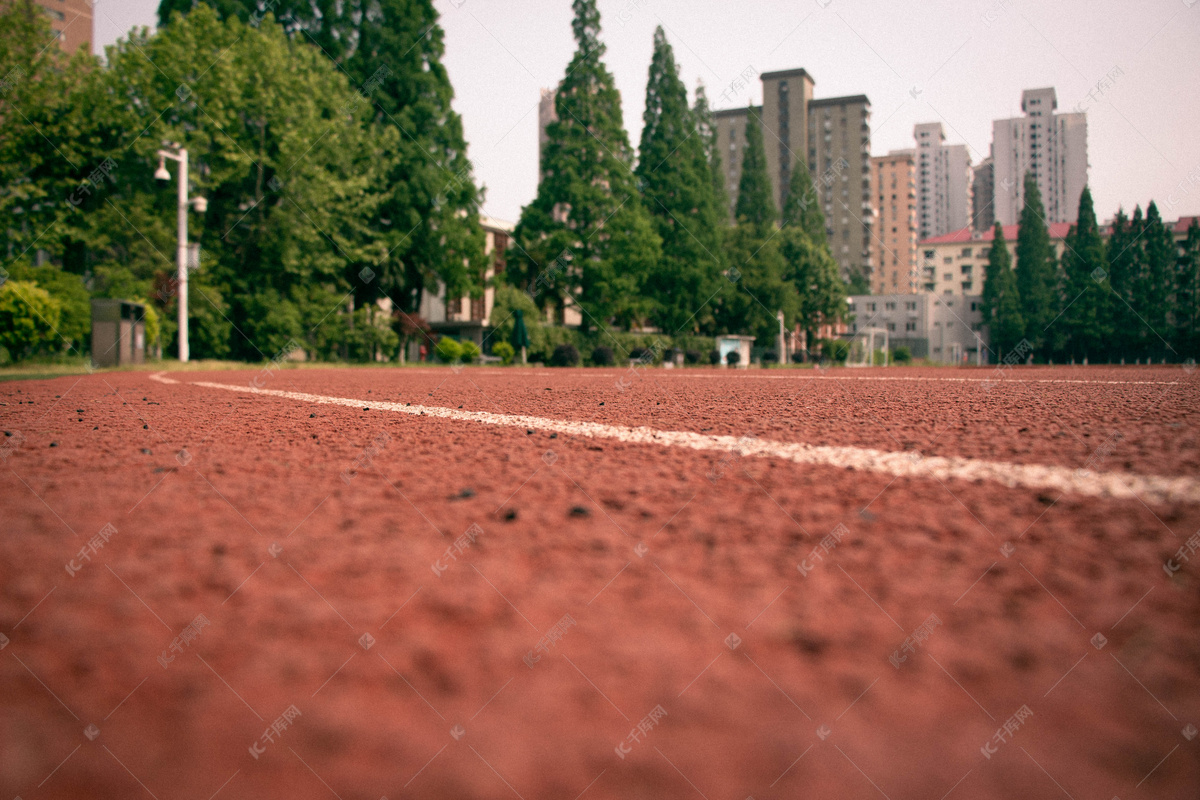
{"x": 869, "y": 347}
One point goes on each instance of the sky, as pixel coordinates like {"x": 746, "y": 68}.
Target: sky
{"x": 1134, "y": 67}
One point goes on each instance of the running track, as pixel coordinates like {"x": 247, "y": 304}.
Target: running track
{"x": 307, "y": 516}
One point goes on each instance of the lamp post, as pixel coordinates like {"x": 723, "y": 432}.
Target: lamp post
{"x": 180, "y": 154}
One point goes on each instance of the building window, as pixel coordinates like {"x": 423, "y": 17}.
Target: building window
{"x": 889, "y": 306}
{"x": 891, "y": 326}
{"x": 966, "y": 252}
{"x": 910, "y": 306}
{"x": 910, "y": 326}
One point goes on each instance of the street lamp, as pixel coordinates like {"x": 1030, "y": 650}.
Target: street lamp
{"x": 180, "y": 154}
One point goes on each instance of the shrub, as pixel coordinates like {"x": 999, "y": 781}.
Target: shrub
{"x": 836, "y": 350}
{"x": 770, "y": 356}
{"x": 448, "y": 350}
{"x": 565, "y": 355}
{"x": 691, "y": 356}
{"x": 505, "y": 352}
{"x": 798, "y": 357}
{"x": 470, "y": 352}
{"x": 732, "y": 358}
{"x": 902, "y": 355}
{"x": 640, "y": 354}
{"x": 714, "y": 357}
{"x": 603, "y": 357}
{"x": 28, "y": 319}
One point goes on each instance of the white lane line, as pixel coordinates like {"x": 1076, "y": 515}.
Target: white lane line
{"x": 808, "y": 376}
{"x": 1120, "y": 485}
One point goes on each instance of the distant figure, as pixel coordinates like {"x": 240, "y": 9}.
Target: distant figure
{"x": 424, "y": 352}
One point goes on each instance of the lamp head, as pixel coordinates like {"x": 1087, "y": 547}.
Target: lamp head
{"x": 201, "y": 204}
{"x": 161, "y": 173}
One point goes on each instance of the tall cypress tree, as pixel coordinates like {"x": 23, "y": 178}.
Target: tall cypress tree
{"x": 1187, "y": 295}
{"x": 706, "y": 129}
{"x": 1035, "y": 270}
{"x": 809, "y": 263}
{"x": 803, "y": 205}
{"x": 755, "y": 205}
{"x": 1122, "y": 271}
{"x": 677, "y": 190}
{"x": 1157, "y": 278}
{"x": 1001, "y": 299}
{"x": 756, "y": 287}
{"x": 586, "y": 238}
{"x": 1087, "y": 317}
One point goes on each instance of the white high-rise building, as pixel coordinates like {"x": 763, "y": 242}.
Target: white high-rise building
{"x": 943, "y": 174}
{"x": 1051, "y": 146}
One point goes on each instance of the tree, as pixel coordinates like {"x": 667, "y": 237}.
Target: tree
{"x": 1001, "y": 298}
{"x": 1187, "y": 295}
{"x": 1123, "y": 263}
{"x": 391, "y": 51}
{"x": 1035, "y": 270}
{"x": 706, "y": 129}
{"x": 585, "y": 240}
{"x": 755, "y": 205}
{"x": 292, "y": 171}
{"x": 1154, "y": 284}
{"x": 809, "y": 263}
{"x": 803, "y": 205}
{"x": 677, "y": 189}
{"x": 1087, "y": 316}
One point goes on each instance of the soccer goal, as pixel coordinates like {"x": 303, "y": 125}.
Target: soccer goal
{"x": 868, "y": 348}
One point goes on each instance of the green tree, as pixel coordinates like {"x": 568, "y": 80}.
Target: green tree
{"x": 1187, "y": 295}
{"x": 1088, "y": 314}
{"x": 1153, "y": 286}
{"x": 1035, "y": 270}
{"x": 1123, "y": 263}
{"x": 586, "y": 240}
{"x": 754, "y": 203}
{"x": 292, "y": 171}
{"x": 678, "y": 192}
{"x": 809, "y": 263}
{"x": 1001, "y": 298}
{"x": 803, "y": 205}
{"x": 706, "y": 129}
{"x": 391, "y": 52}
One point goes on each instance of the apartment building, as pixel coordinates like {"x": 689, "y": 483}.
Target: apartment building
{"x": 1051, "y": 146}
{"x": 894, "y": 251}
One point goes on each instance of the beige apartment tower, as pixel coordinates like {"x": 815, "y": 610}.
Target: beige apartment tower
{"x": 893, "y": 182}
{"x": 833, "y": 135}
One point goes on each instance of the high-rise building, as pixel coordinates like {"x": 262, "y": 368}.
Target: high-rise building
{"x": 786, "y": 98}
{"x": 71, "y": 21}
{"x": 894, "y": 190}
{"x": 943, "y": 182}
{"x": 839, "y": 157}
{"x": 833, "y": 134}
{"x": 983, "y": 181}
{"x": 1051, "y": 146}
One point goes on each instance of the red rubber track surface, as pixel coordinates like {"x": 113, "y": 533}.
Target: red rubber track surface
{"x": 658, "y": 554}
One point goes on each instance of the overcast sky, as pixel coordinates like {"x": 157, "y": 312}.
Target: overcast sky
{"x": 963, "y": 62}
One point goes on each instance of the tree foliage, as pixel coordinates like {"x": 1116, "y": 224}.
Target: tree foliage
{"x": 1087, "y": 316}
{"x": 678, "y": 192}
{"x": 1035, "y": 270}
{"x": 585, "y": 240}
{"x": 1001, "y": 299}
